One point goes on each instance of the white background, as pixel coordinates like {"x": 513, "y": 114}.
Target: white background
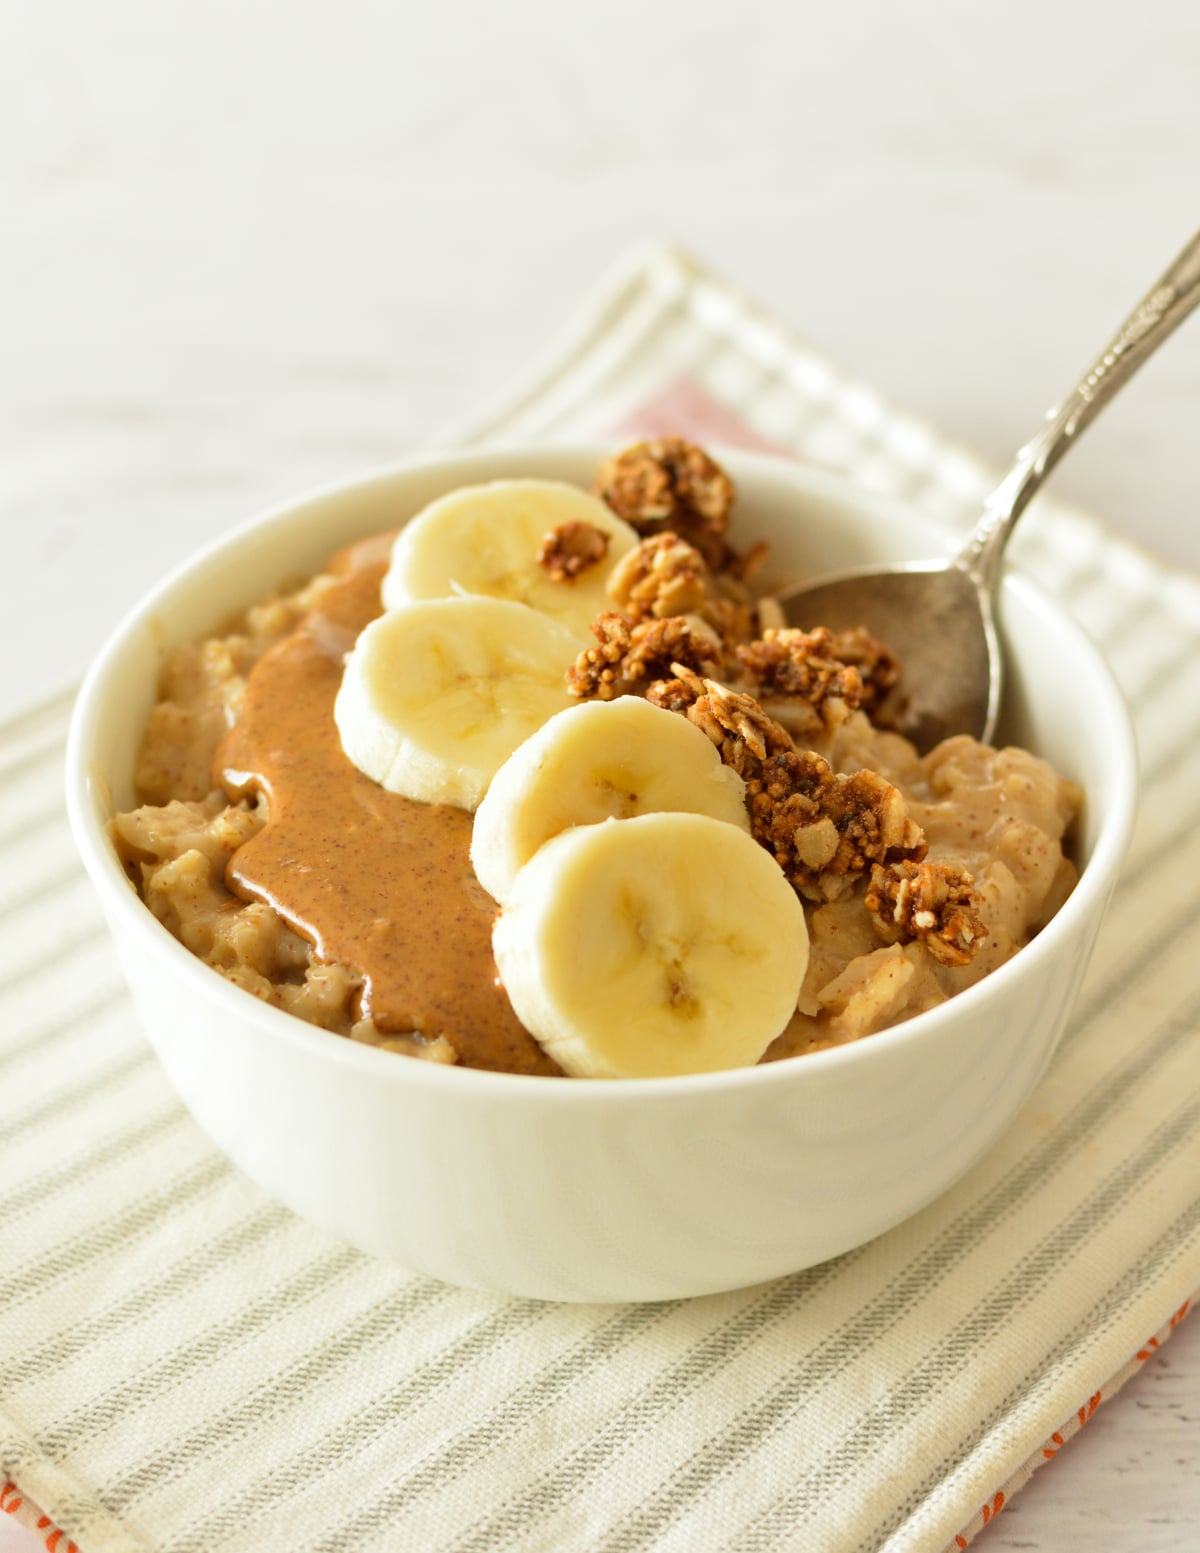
{"x": 247, "y": 247}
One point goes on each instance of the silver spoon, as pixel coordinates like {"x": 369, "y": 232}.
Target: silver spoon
{"x": 937, "y": 616}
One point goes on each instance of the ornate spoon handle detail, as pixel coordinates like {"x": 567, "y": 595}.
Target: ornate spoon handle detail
{"x": 1162, "y": 310}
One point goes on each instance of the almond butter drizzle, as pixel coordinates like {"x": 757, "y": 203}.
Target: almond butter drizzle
{"x": 374, "y": 881}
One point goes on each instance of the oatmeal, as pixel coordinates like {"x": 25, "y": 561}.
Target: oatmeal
{"x": 316, "y": 889}
{"x": 295, "y": 835}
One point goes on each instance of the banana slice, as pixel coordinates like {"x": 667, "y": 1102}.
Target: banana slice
{"x": 436, "y": 696}
{"x": 485, "y": 539}
{"x": 598, "y": 760}
{"x": 665, "y": 944}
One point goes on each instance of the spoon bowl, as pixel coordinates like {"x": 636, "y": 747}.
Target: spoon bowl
{"x": 941, "y": 625}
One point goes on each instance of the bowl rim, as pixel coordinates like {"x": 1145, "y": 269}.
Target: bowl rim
{"x": 124, "y": 908}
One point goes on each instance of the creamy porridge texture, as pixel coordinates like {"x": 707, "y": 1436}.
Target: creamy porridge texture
{"x": 271, "y": 855}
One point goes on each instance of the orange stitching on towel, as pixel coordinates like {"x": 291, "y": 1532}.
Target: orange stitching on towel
{"x": 1180, "y": 1313}
{"x": 1086, "y": 1412}
{"x": 11, "y": 1501}
{"x": 988, "y": 1511}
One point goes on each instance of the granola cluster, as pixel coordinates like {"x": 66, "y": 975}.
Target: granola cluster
{"x": 824, "y": 829}
{"x": 570, "y": 549}
{"x": 670, "y": 484}
{"x": 935, "y": 904}
{"x": 742, "y": 732}
{"x": 664, "y": 576}
{"x": 799, "y": 675}
{"x": 804, "y": 670}
{"x": 627, "y": 659}
{"x": 877, "y": 665}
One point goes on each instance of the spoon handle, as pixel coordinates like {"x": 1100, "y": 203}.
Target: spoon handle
{"x": 1165, "y": 306}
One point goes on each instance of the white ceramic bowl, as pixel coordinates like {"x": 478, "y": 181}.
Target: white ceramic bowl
{"x": 604, "y": 1190}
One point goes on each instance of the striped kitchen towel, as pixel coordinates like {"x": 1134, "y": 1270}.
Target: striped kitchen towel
{"x": 185, "y": 1367}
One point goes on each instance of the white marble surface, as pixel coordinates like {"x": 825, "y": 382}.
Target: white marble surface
{"x": 245, "y": 247}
